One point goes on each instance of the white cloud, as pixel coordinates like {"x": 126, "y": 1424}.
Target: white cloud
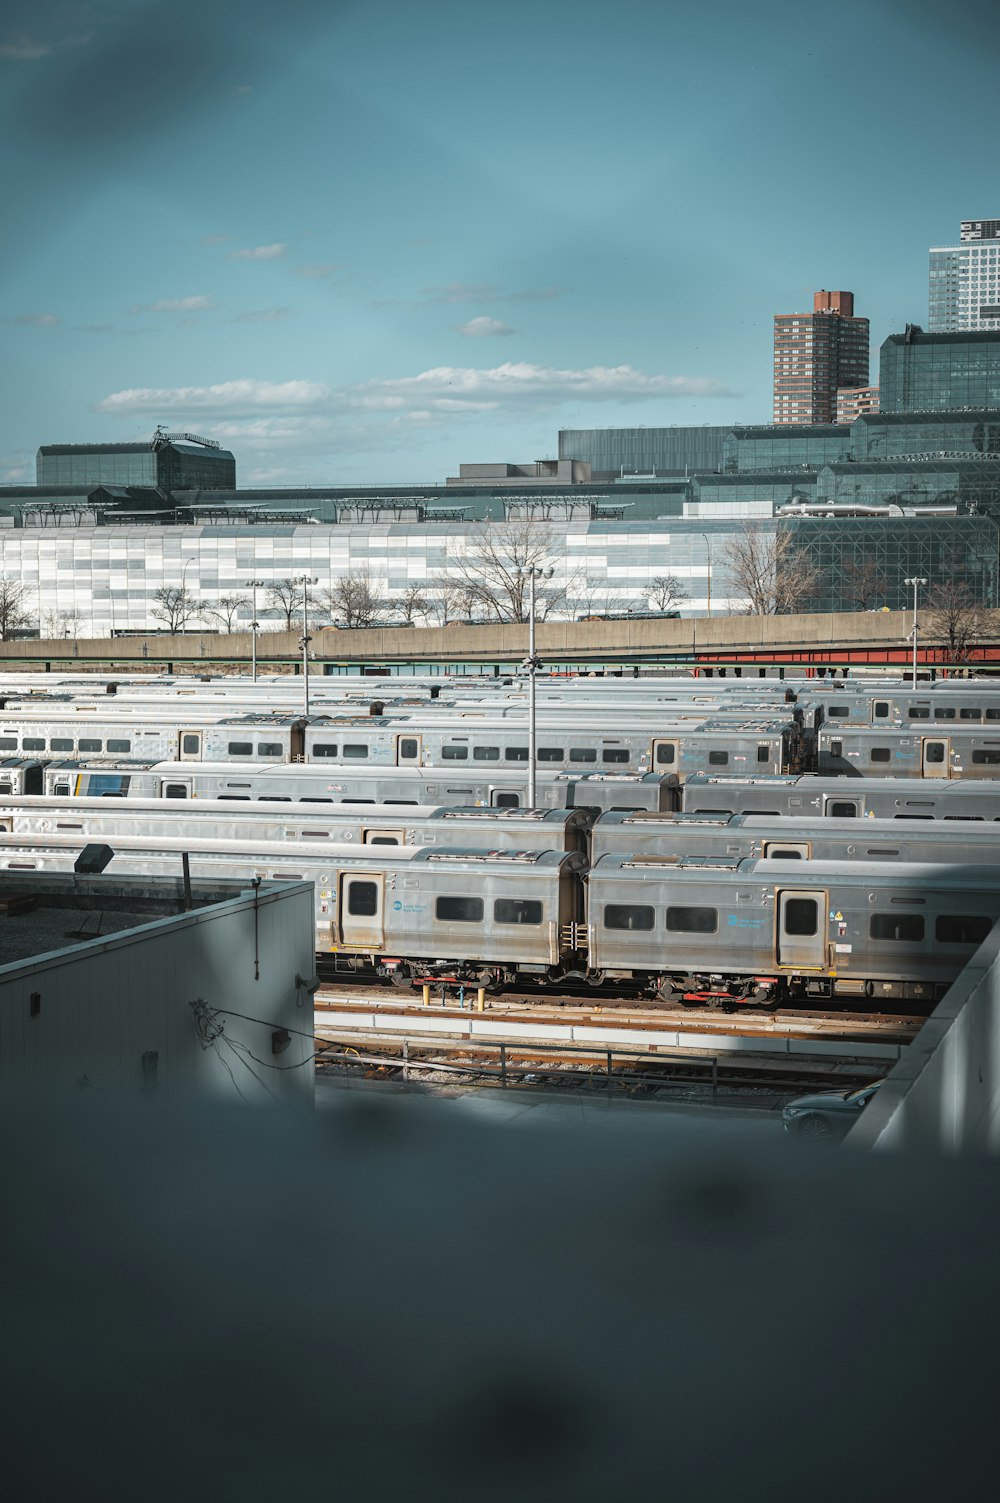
{"x": 260, "y": 252}
{"x": 38, "y": 320}
{"x": 260, "y": 315}
{"x": 483, "y": 327}
{"x": 227, "y": 396}
{"x": 196, "y": 304}
{"x": 24, "y": 49}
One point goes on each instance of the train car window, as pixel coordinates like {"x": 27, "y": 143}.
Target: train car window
{"x": 666, "y": 753}
{"x": 387, "y": 801}
{"x": 801, "y": 916}
{"x": 968, "y": 714}
{"x": 718, "y": 759}
{"x": 88, "y": 744}
{"x": 551, "y": 754}
{"x": 33, "y": 743}
{"x": 881, "y": 708}
{"x": 507, "y": 801}
{"x": 191, "y": 744}
{"x": 454, "y": 753}
{"x": 455, "y": 910}
{"x": 274, "y": 798}
{"x": 517, "y": 911}
{"x": 315, "y": 800}
{"x": 240, "y": 749}
{"x": 583, "y": 754}
{"x": 913, "y": 816}
{"x": 836, "y": 748}
{"x": 61, "y": 743}
{"x": 383, "y": 840}
{"x": 692, "y": 920}
{"x": 515, "y": 754}
{"x": 838, "y": 712}
{"x": 486, "y": 753}
{"x": 627, "y": 809}
{"x": 629, "y": 916}
{"x": 729, "y": 811}
{"x": 61, "y": 790}
{"x": 783, "y": 853}
{"x": 236, "y": 798}
{"x": 350, "y": 801}
{"x": 8, "y": 743}
{"x": 961, "y": 929}
{"x": 269, "y": 748}
{"x": 119, "y": 746}
{"x": 362, "y": 899}
{"x": 963, "y": 817}
{"x": 881, "y": 754}
{"x": 980, "y": 758}
{"x": 934, "y": 752}
{"x": 902, "y": 926}
{"x": 763, "y": 753}
{"x": 409, "y": 748}
{"x": 993, "y": 714}
{"x": 918, "y": 712}
{"x": 944, "y": 712}
{"x": 179, "y": 790}
{"x": 324, "y": 749}
{"x": 355, "y": 749}
{"x": 882, "y": 850}
{"x": 615, "y": 754}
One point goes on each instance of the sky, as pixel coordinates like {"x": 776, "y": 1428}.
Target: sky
{"x": 367, "y": 242}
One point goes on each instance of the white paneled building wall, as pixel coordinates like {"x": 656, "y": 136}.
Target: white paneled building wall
{"x": 90, "y": 581}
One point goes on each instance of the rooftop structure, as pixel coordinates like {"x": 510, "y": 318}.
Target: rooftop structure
{"x": 964, "y": 282}
{"x": 165, "y": 462}
{"x": 925, "y": 372}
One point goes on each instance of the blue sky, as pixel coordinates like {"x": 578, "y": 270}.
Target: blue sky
{"x": 366, "y": 242}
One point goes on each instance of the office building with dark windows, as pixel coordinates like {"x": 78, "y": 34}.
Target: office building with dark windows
{"x": 815, "y": 354}
{"x": 785, "y": 446}
{"x": 620, "y": 453}
{"x": 921, "y": 372}
{"x": 166, "y": 462}
{"x": 964, "y": 283}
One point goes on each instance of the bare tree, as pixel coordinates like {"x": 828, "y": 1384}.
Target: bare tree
{"x": 353, "y": 599}
{"x": 493, "y": 569}
{"x": 595, "y": 597}
{"x": 225, "y": 610}
{"x": 448, "y": 600}
{"x": 666, "y": 592}
{"x": 864, "y": 582}
{"x": 285, "y": 597}
{"x": 175, "y": 606}
{"x": 956, "y": 620}
{"x": 413, "y": 602}
{"x": 770, "y": 571}
{"x": 14, "y": 612}
{"x": 53, "y": 624}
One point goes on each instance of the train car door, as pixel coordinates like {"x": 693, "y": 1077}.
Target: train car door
{"x": 666, "y": 756}
{"x": 382, "y": 837}
{"x": 801, "y": 936}
{"x": 189, "y": 746}
{"x": 361, "y": 910}
{"x": 408, "y": 751}
{"x": 934, "y": 757}
{"x": 786, "y": 850}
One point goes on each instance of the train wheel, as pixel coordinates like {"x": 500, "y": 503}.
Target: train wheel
{"x": 400, "y": 975}
{"x": 667, "y": 992}
{"x": 595, "y": 978}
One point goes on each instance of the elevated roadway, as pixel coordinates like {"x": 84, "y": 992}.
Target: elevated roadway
{"x": 806, "y": 642}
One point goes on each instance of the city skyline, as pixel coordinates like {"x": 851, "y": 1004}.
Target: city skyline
{"x": 349, "y": 260}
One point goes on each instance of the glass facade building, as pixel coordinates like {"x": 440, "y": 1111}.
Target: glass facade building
{"x": 644, "y": 451}
{"x": 785, "y": 446}
{"x": 862, "y": 562}
{"x": 166, "y": 465}
{"x": 921, "y": 372}
{"x": 911, "y": 482}
{"x": 889, "y": 435}
{"x": 759, "y": 490}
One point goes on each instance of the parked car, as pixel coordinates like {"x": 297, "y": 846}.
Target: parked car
{"x": 826, "y": 1115}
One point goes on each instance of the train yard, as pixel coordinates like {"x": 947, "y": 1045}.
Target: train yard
{"x": 734, "y": 885}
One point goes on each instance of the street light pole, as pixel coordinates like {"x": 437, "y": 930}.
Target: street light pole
{"x": 916, "y": 583}
{"x": 532, "y": 572}
{"x": 254, "y": 585}
{"x": 305, "y": 580}
{"x": 708, "y": 545}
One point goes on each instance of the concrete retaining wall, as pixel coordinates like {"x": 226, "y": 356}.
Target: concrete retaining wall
{"x": 944, "y": 1094}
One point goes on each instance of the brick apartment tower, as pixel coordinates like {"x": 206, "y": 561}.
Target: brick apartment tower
{"x": 815, "y": 354}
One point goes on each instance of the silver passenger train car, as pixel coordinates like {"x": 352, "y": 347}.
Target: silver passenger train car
{"x": 840, "y": 798}
{"x": 910, "y": 751}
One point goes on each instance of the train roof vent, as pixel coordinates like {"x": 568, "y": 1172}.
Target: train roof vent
{"x": 515, "y": 857}
{"x": 498, "y": 815}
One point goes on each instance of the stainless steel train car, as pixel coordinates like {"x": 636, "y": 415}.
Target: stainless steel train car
{"x": 221, "y": 820}
{"x": 759, "y": 837}
{"x": 908, "y": 751}
{"x": 840, "y": 798}
{"x": 334, "y": 785}
{"x": 768, "y": 930}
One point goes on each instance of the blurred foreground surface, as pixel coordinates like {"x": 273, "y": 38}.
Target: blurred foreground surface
{"x": 374, "y": 1300}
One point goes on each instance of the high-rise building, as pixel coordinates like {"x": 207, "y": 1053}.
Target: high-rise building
{"x": 815, "y": 354}
{"x": 853, "y": 401}
{"x": 964, "y": 289}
